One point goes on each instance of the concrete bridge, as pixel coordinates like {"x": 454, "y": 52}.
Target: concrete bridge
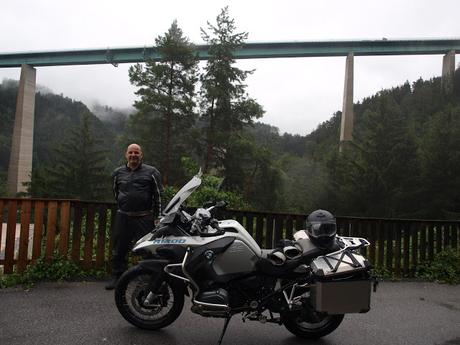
{"x": 20, "y": 165}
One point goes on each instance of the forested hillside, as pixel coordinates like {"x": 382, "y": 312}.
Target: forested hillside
{"x": 405, "y": 158}
{"x": 58, "y": 130}
{"x": 404, "y": 161}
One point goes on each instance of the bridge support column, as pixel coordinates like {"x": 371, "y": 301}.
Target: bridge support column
{"x": 448, "y": 70}
{"x": 20, "y": 165}
{"x": 346, "y": 128}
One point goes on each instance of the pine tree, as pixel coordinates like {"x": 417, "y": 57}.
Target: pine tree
{"x": 379, "y": 176}
{"x": 79, "y": 169}
{"x": 166, "y": 105}
{"x": 225, "y": 104}
{"x": 440, "y": 162}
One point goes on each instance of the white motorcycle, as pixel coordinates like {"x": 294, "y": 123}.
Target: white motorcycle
{"x": 224, "y": 272}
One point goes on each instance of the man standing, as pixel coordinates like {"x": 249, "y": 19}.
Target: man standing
{"x": 137, "y": 187}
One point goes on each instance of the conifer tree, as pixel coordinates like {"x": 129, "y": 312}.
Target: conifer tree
{"x": 166, "y": 105}
{"x": 79, "y": 169}
{"x": 379, "y": 177}
{"x": 440, "y": 162}
{"x": 225, "y": 104}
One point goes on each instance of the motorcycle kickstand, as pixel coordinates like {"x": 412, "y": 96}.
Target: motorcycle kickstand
{"x": 227, "y": 320}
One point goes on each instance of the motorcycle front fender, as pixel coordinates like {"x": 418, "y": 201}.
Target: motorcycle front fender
{"x": 156, "y": 266}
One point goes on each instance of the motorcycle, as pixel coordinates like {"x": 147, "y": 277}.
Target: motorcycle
{"x": 221, "y": 268}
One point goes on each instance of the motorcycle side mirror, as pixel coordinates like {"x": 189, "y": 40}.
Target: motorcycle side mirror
{"x": 221, "y": 204}
{"x": 208, "y": 204}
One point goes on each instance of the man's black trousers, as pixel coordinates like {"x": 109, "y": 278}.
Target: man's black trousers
{"x": 127, "y": 230}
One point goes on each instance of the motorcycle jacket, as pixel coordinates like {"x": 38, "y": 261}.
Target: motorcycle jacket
{"x": 137, "y": 191}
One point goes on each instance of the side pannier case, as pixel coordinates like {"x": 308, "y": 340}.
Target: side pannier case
{"x": 343, "y": 284}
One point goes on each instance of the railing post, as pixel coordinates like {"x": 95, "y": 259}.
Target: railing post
{"x": 2, "y": 205}
{"x": 51, "y": 229}
{"x": 406, "y": 248}
{"x": 64, "y": 229}
{"x": 10, "y": 237}
{"x": 398, "y": 250}
{"x": 89, "y": 237}
{"x": 260, "y": 230}
{"x": 76, "y": 232}
{"x": 101, "y": 231}
{"x": 24, "y": 235}
{"x": 415, "y": 247}
{"x": 389, "y": 247}
{"x": 269, "y": 232}
{"x": 38, "y": 229}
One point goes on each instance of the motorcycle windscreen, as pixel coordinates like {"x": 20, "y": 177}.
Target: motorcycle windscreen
{"x": 183, "y": 194}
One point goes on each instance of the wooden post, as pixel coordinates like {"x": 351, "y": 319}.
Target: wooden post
{"x": 51, "y": 229}
{"x": 64, "y": 229}
{"x": 76, "y": 233}
{"x": 89, "y": 236}
{"x": 10, "y": 237}
{"x": 101, "y": 231}
{"x": 260, "y": 230}
{"x": 26, "y": 206}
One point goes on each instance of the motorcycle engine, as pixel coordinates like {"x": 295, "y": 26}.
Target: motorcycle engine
{"x": 255, "y": 288}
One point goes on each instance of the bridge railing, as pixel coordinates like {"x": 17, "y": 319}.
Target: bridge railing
{"x": 81, "y": 231}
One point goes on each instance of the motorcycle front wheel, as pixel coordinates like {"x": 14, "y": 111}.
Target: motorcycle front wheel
{"x": 309, "y": 329}
{"x": 144, "y": 308}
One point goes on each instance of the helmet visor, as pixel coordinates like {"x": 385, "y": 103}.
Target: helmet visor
{"x": 319, "y": 229}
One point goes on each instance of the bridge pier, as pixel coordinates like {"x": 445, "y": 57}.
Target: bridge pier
{"x": 20, "y": 165}
{"x": 346, "y": 128}
{"x": 448, "y": 70}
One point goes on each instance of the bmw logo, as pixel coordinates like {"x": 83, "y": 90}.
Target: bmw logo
{"x": 209, "y": 254}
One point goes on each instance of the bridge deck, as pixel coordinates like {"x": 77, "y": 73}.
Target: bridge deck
{"x": 248, "y": 51}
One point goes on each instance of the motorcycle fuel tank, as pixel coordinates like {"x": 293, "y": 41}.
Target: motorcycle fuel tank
{"x": 238, "y": 258}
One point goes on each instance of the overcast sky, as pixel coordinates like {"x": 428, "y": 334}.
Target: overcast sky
{"x": 297, "y": 93}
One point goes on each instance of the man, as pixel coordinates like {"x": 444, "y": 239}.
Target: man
{"x": 137, "y": 187}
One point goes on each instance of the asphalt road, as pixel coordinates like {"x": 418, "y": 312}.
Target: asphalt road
{"x": 84, "y": 313}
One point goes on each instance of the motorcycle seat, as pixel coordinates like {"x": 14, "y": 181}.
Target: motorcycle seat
{"x": 309, "y": 252}
{"x": 267, "y": 266}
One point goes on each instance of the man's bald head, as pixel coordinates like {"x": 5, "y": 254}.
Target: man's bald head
{"x": 134, "y": 155}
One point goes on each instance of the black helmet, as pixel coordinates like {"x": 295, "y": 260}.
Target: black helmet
{"x": 321, "y": 228}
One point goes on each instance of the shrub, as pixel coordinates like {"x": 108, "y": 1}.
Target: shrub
{"x": 56, "y": 269}
{"x": 444, "y": 268}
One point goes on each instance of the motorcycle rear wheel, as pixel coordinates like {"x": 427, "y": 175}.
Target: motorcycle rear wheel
{"x": 312, "y": 330}
{"x": 131, "y": 293}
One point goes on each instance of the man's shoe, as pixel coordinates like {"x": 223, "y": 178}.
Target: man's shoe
{"x": 112, "y": 283}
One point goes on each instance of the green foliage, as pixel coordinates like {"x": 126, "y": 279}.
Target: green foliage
{"x": 403, "y": 160}
{"x": 80, "y": 168}
{"x": 445, "y": 267}
{"x": 56, "y": 269}
{"x": 440, "y": 160}
{"x": 379, "y": 171}
{"x": 166, "y": 114}
{"x": 225, "y": 104}
{"x": 56, "y": 118}
{"x": 209, "y": 190}
{"x": 382, "y": 273}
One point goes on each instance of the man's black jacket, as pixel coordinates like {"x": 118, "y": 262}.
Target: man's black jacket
{"x": 138, "y": 190}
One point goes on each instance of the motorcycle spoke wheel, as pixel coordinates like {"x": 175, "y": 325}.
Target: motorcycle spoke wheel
{"x": 152, "y": 312}
{"x": 136, "y": 295}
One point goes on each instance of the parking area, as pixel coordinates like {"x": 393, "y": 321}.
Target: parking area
{"x": 84, "y": 313}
